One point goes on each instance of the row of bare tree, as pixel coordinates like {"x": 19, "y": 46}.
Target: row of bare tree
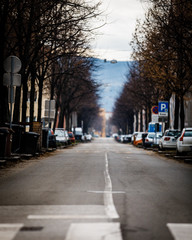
{"x": 162, "y": 66}
{"x": 52, "y": 40}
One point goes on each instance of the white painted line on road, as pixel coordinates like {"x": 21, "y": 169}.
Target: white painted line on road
{"x": 94, "y": 231}
{"x": 49, "y": 217}
{"x": 113, "y": 192}
{"x": 180, "y": 231}
{"x": 9, "y": 231}
{"x": 108, "y": 196}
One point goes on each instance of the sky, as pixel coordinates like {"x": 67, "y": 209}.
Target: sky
{"x": 112, "y": 77}
{"x": 113, "y": 39}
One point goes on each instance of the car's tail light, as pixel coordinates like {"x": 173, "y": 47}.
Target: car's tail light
{"x": 167, "y": 138}
{"x": 146, "y": 140}
{"x": 181, "y": 138}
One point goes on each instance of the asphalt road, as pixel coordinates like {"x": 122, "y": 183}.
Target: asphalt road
{"x": 100, "y": 190}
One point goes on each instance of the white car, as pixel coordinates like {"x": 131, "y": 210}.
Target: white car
{"x": 169, "y": 139}
{"x": 149, "y": 140}
{"x": 61, "y": 136}
{"x": 184, "y": 142}
{"x": 86, "y": 137}
{"x": 157, "y": 138}
{"x": 134, "y": 136}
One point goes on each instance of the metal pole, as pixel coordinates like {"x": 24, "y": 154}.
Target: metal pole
{"x": 11, "y": 91}
{"x": 48, "y": 123}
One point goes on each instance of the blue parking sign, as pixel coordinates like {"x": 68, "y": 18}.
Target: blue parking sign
{"x": 163, "y": 108}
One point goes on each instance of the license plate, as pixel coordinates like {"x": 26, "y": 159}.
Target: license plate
{"x": 173, "y": 140}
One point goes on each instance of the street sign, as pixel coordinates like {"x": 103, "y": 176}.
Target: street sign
{"x": 154, "y": 110}
{"x": 16, "y": 78}
{"x": 51, "y": 106}
{"x": 155, "y": 118}
{"x": 49, "y": 109}
{"x": 163, "y": 109}
{"x": 12, "y": 64}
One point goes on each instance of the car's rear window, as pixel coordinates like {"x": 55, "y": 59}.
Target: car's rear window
{"x": 59, "y": 133}
{"x": 173, "y": 133}
{"x": 151, "y": 136}
{"x": 188, "y": 133}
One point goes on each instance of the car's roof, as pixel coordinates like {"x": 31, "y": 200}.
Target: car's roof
{"x": 172, "y": 130}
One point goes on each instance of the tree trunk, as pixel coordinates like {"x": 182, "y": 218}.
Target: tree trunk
{"x": 146, "y": 119}
{"x": 32, "y": 96}
{"x": 16, "y": 114}
{"x": 137, "y": 122}
{"x": 24, "y": 103}
{"x": 141, "y": 121}
{"x": 40, "y": 99}
{"x": 55, "y": 120}
{"x": 176, "y": 119}
{"x": 149, "y": 113}
{"x": 182, "y": 114}
{"x": 61, "y": 117}
{"x": 4, "y": 107}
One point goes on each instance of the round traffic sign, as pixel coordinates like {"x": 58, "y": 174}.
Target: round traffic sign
{"x": 155, "y": 110}
{"x": 12, "y": 64}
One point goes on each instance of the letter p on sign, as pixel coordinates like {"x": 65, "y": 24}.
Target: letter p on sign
{"x": 163, "y": 106}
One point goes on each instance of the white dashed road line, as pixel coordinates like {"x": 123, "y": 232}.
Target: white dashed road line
{"x": 108, "y": 196}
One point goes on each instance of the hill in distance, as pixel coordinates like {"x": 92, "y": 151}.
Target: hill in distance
{"x": 112, "y": 76}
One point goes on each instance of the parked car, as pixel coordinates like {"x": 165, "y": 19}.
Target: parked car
{"x": 169, "y": 139}
{"x": 86, "y": 137}
{"x": 157, "y": 138}
{"x": 138, "y": 139}
{"x": 78, "y": 131}
{"x": 149, "y": 140}
{"x": 51, "y": 138}
{"x": 184, "y": 142}
{"x": 71, "y": 137}
{"x": 127, "y": 138}
{"x": 133, "y": 137}
{"x": 114, "y": 135}
{"x": 121, "y": 138}
{"x": 61, "y": 136}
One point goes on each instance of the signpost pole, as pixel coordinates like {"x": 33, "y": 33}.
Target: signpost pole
{"x": 12, "y": 65}
{"x": 49, "y": 112}
{"x": 11, "y": 91}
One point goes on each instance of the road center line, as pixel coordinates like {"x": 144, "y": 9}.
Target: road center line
{"x": 108, "y": 196}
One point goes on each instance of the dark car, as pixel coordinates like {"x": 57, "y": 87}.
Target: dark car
{"x": 51, "y": 138}
{"x": 71, "y": 137}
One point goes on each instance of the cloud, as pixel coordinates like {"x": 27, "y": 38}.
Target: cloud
{"x": 117, "y": 33}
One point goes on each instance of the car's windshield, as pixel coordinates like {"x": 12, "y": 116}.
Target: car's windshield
{"x": 78, "y": 132}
